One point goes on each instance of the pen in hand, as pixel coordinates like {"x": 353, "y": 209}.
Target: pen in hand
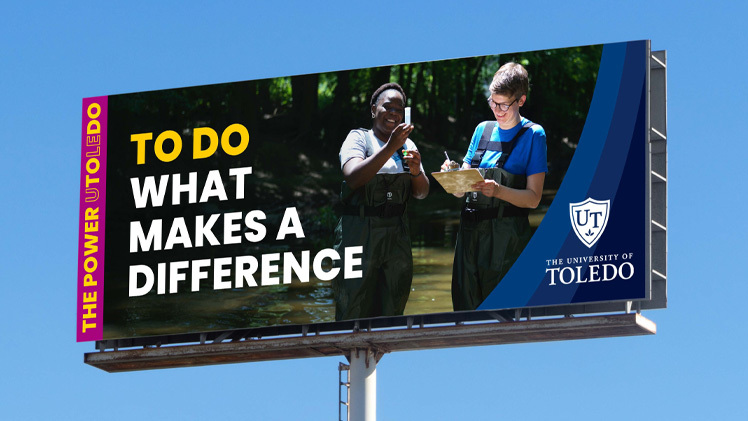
{"x": 450, "y": 165}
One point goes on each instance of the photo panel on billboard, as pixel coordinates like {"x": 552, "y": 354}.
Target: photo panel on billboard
{"x": 224, "y": 206}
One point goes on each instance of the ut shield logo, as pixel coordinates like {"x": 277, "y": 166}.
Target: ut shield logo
{"x": 589, "y": 219}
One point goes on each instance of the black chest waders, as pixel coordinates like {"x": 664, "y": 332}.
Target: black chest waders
{"x": 374, "y": 217}
{"x": 492, "y": 232}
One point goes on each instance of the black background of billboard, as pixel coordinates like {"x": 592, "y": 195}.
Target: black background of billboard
{"x": 296, "y": 126}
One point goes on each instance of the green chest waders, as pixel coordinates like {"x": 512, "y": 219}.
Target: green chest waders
{"x": 491, "y": 237}
{"x": 374, "y": 217}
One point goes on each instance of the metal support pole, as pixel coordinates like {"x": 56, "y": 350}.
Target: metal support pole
{"x": 363, "y": 403}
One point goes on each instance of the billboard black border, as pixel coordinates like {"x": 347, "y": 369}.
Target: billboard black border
{"x": 656, "y": 239}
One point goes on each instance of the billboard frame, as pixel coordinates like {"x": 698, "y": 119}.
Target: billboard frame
{"x": 376, "y": 343}
{"x": 656, "y": 238}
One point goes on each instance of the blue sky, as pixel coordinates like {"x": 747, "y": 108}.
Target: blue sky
{"x": 53, "y": 55}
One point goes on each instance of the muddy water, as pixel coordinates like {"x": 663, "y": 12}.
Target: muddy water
{"x": 297, "y": 303}
{"x": 431, "y": 291}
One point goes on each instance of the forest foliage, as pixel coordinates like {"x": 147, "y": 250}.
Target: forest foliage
{"x": 298, "y": 123}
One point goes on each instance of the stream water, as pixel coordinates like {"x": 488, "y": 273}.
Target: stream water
{"x": 433, "y": 237}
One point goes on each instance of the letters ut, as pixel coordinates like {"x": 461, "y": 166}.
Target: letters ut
{"x": 587, "y": 214}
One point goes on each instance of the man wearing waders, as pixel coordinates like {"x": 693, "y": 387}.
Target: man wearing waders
{"x": 381, "y": 170}
{"x": 494, "y": 228}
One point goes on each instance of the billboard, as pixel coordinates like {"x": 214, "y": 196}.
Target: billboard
{"x": 268, "y": 202}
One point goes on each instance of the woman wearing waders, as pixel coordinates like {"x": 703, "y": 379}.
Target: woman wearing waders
{"x": 381, "y": 170}
{"x": 494, "y": 228}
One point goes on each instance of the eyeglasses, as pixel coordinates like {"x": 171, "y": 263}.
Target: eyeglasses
{"x": 502, "y": 107}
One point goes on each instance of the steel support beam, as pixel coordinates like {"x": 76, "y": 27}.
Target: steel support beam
{"x": 380, "y": 341}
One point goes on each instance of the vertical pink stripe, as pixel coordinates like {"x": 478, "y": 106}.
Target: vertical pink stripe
{"x": 91, "y": 230}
